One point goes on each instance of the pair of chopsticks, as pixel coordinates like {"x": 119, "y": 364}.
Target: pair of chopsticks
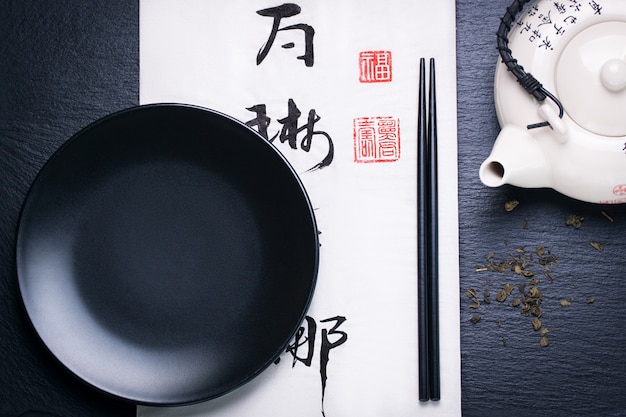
{"x": 427, "y": 243}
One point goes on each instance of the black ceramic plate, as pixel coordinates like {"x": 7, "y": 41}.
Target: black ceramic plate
{"x": 166, "y": 254}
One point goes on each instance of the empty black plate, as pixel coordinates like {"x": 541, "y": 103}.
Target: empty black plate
{"x": 166, "y": 254}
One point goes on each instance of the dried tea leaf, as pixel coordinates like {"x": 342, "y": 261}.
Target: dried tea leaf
{"x": 516, "y": 302}
{"x": 534, "y": 292}
{"x": 590, "y": 300}
{"x": 597, "y": 246}
{"x": 605, "y": 214}
{"x": 525, "y": 224}
{"x": 508, "y": 288}
{"x": 543, "y": 331}
{"x": 501, "y": 296}
{"x": 575, "y": 221}
{"x": 536, "y": 311}
{"x": 536, "y": 323}
{"x": 565, "y": 303}
{"x": 475, "y": 304}
{"x": 475, "y": 319}
{"x": 510, "y": 205}
{"x": 544, "y": 341}
{"x": 487, "y": 297}
{"x": 471, "y": 293}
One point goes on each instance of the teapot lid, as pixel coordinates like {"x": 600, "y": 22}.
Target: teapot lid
{"x": 590, "y": 78}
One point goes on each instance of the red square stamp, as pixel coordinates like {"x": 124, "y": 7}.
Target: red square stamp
{"x": 376, "y": 139}
{"x": 375, "y": 66}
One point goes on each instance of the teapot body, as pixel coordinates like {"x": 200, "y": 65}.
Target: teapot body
{"x": 578, "y": 52}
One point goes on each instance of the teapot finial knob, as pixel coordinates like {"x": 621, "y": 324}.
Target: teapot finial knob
{"x": 613, "y": 75}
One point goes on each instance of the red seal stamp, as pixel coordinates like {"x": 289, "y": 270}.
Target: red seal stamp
{"x": 376, "y": 139}
{"x": 375, "y": 66}
{"x": 619, "y": 189}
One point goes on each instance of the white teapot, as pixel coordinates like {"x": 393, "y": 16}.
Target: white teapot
{"x": 577, "y": 50}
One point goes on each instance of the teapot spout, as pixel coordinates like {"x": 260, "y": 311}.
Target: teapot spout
{"x": 516, "y": 159}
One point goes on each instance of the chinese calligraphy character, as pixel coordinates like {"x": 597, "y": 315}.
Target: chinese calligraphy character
{"x": 526, "y": 28}
{"x": 536, "y": 34}
{"x": 559, "y": 30}
{"x": 278, "y": 13}
{"x": 596, "y": 7}
{"x": 546, "y": 44}
{"x": 326, "y": 345}
{"x": 560, "y": 7}
{"x": 545, "y": 18}
{"x": 575, "y": 4}
{"x": 291, "y": 129}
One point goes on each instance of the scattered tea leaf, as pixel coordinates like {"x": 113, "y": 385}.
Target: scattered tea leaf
{"x": 575, "y": 221}
{"x": 471, "y": 293}
{"x": 565, "y": 303}
{"x": 544, "y": 341}
{"x": 510, "y": 205}
{"x": 475, "y": 319}
{"x": 487, "y": 296}
{"x": 591, "y": 300}
{"x": 605, "y": 214}
{"x": 597, "y": 246}
{"x": 508, "y": 288}
{"x": 521, "y": 263}
{"x": 536, "y": 311}
{"x": 525, "y": 224}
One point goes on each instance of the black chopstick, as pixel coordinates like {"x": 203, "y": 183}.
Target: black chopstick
{"x": 427, "y": 240}
{"x": 422, "y": 240}
{"x": 433, "y": 242}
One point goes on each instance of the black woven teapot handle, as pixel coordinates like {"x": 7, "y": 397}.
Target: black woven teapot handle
{"x": 525, "y": 79}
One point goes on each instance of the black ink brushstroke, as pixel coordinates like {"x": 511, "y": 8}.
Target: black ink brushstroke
{"x": 326, "y": 347}
{"x": 278, "y": 13}
{"x": 309, "y": 340}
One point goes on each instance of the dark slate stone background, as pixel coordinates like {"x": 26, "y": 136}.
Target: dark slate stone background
{"x": 66, "y": 63}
